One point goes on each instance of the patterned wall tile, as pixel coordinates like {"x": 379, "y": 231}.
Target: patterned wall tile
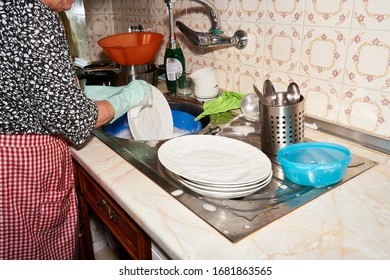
{"x": 368, "y": 61}
{"x": 250, "y": 11}
{"x": 121, "y": 23}
{"x": 372, "y": 14}
{"x": 194, "y": 62}
{"x": 280, "y": 80}
{"x": 322, "y": 98}
{"x": 97, "y": 7}
{"x": 328, "y": 13}
{"x": 145, "y": 7}
{"x": 97, "y": 52}
{"x": 285, "y": 12}
{"x": 119, "y": 7}
{"x": 323, "y": 53}
{"x": 224, "y": 73}
{"x": 282, "y": 48}
{"x": 245, "y": 77}
{"x": 158, "y": 9}
{"x": 99, "y": 26}
{"x": 252, "y": 54}
{"x": 224, "y": 8}
{"x": 367, "y": 110}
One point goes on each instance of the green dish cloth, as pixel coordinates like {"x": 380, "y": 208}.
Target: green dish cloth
{"x": 228, "y": 100}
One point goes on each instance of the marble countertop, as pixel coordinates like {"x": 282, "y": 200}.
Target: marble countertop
{"x": 350, "y": 222}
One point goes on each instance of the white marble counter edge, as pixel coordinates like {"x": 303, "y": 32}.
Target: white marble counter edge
{"x": 350, "y": 222}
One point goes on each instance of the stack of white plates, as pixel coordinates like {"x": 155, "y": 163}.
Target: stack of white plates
{"x": 216, "y": 166}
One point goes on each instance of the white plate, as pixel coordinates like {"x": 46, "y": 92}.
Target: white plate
{"x": 209, "y": 159}
{"x": 228, "y": 185}
{"x": 227, "y": 195}
{"x": 153, "y": 122}
{"x": 225, "y": 188}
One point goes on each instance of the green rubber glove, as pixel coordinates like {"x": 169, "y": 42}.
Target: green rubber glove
{"x": 136, "y": 94}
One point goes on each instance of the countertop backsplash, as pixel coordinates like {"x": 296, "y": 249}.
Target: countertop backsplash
{"x": 338, "y": 52}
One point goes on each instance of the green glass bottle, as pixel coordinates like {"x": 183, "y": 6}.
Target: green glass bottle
{"x": 174, "y": 63}
{"x": 173, "y": 58}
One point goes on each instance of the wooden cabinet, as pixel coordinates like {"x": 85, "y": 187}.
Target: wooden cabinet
{"x": 93, "y": 198}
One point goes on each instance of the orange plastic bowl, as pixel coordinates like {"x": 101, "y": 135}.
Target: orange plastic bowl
{"x": 132, "y": 48}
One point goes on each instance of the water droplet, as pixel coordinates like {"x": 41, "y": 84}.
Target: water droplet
{"x": 297, "y": 194}
{"x": 225, "y": 231}
{"x": 177, "y": 193}
{"x": 247, "y": 226}
{"x": 284, "y": 187}
{"x": 209, "y": 207}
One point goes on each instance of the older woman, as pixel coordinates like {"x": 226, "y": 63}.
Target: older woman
{"x": 42, "y": 111}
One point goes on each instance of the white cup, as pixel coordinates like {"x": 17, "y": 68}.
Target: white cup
{"x": 206, "y": 92}
{"x": 206, "y": 77}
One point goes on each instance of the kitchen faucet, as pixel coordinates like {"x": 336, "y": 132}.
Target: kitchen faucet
{"x": 214, "y": 37}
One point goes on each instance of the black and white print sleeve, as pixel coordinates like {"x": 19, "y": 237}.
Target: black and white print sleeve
{"x": 39, "y": 93}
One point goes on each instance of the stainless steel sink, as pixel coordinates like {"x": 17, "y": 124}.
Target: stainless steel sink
{"x": 233, "y": 218}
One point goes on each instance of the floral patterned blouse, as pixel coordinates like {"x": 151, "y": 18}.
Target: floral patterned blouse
{"x": 39, "y": 93}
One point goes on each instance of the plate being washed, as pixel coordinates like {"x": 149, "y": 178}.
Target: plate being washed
{"x": 153, "y": 122}
{"x": 209, "y": 159}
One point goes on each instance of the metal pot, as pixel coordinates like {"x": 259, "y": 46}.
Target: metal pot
{"x": 114, "y": 75}
{"x": 128, "y": 75}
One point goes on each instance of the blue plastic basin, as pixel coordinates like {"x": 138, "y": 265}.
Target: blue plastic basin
{"x": 185, "y": 121}
{"x": 182, "y": 121}
{"x": 314, "y": 164}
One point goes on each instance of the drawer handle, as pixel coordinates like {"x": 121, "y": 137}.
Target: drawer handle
{"x": 112, "y": 215}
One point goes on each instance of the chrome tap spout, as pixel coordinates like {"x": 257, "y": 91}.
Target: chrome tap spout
{"x": 214, "y": 37}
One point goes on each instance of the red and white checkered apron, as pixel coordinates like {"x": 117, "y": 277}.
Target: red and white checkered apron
{"x": 38, "y": 205}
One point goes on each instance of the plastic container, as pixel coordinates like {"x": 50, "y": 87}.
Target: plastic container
{"x": 132, "y": 48}
{"x": 316, "y": 164}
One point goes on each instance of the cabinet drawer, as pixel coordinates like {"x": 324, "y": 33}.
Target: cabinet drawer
{"x": 135, "y": 241}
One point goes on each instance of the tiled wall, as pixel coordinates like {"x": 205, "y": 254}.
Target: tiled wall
{"x": 338, "y": 51}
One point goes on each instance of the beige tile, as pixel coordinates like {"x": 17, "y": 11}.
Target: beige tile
{"x": 252, "y": 54}
{"x": 225, "y": 8}
{"x": 366, "y": 110}
{"x": 368, "y": 61}
{"x": 282, "y": 48}
{"x": 99, "y": 26}
{"x": 286, "y": 12}
{"x": 224, "y": 74}
{"x": 247, "y": 76}
{"x": 372, "y": 14}
{"x": 322, "y": 98}
{"x": 250, "y": 11}
{"x": 97, "y": 7}
{"x": 328, "y": 13}
{"x": 324, "y": 53}
{"x": 280, "y": 80}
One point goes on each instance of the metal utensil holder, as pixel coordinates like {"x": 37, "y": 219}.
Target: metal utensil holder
{"x": 281, "y": 126}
